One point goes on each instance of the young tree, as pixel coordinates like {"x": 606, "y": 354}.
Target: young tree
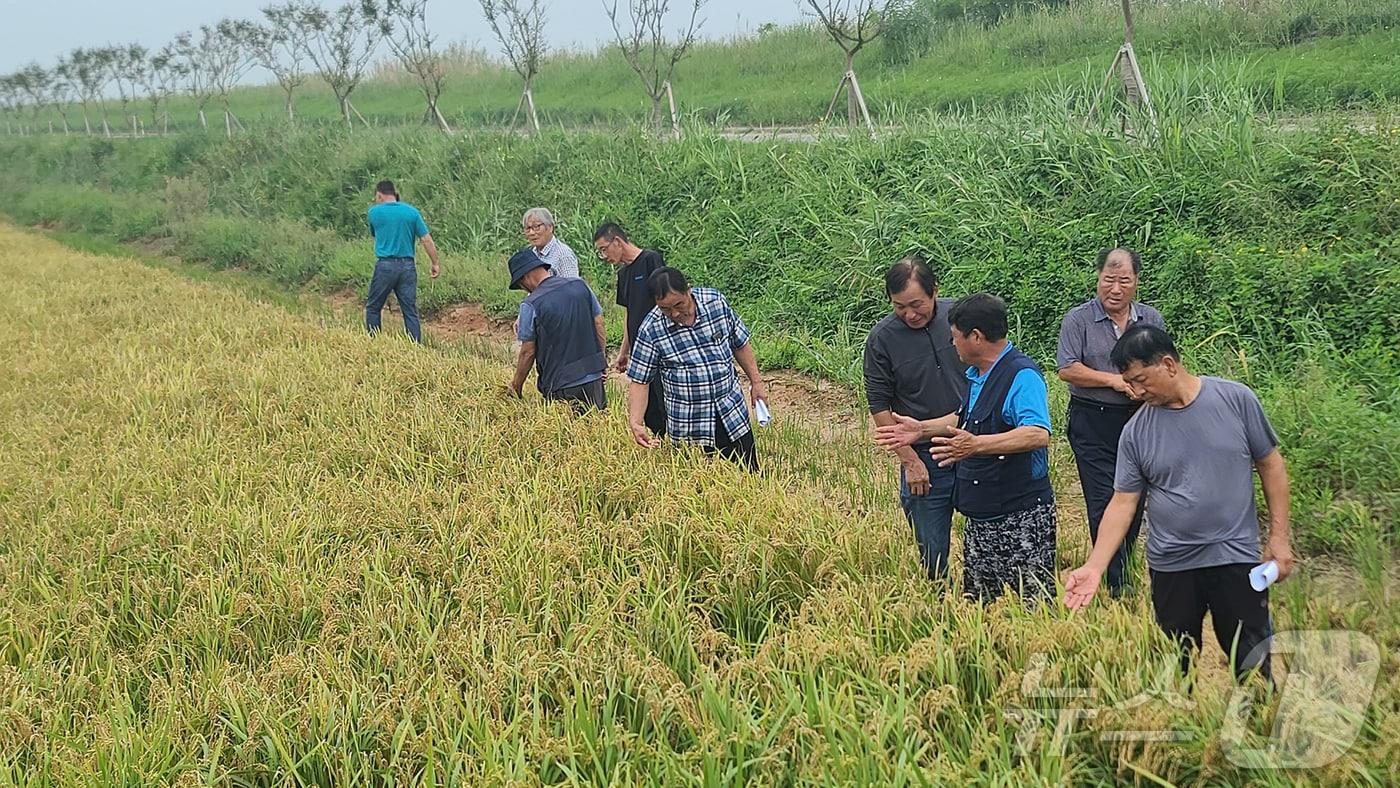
{"x": 9, "y": 98}
{"x": 519, "y": 26}
{"x": 852, "y": 24}
{"x": 63, "y": 88}
{"x": 127, "y": 66}
{"x": 280, "y": 46}
{"x": 32, "y": 85}
{"x": 90, "y": 78}
{"x": 650, "y": 55}
{"x": 213, "y": 64}
{"x": 160, "y": 79}
{"x": 194, "y": 67}
{"x": 227, "y": 60}
{"x": 343, "y": 44}
{"x": 404, "y": 24}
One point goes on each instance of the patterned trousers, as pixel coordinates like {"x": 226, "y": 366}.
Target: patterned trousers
{"x": 1016, "y": 550}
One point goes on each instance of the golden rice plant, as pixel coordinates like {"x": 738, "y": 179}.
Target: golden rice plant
{"x": 243, "y": 545}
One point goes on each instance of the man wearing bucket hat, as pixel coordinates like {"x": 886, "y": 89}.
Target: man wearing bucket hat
{"x": 560, "y": 328}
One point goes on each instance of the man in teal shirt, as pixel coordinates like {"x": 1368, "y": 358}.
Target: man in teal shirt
{"x": 395, "y": 226}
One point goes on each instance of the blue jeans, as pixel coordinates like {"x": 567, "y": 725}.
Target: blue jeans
{"x": 930, "y": 515}
{"x": 399, "y": 276}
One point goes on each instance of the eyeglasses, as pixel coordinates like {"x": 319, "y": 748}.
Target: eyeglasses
{"x": 602, "y": 251}
{"x": 534, "y": 228}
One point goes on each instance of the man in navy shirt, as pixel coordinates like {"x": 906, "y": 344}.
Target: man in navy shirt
{"x": 395, "y": 226}
{"x": 561, "y": 335}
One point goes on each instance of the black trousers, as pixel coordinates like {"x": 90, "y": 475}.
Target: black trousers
{"x": 741, "y": 450}
{"x": 1238, "y": 613}
{"x": 582, "y": 398}
{"x": 655, "y": 417}
{"x": 1093, "y": 435}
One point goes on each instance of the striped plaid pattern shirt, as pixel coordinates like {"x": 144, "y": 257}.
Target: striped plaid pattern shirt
{"x": 696, "y": 366}
{"x": 562, "y": 260}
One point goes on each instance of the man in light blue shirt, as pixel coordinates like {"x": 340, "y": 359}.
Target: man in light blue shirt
{"x": 396, "y": 226}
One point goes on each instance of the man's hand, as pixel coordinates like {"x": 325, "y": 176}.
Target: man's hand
{"x": 1121, "y": 386}
{"x": 956, "y": 447}
{"x": 512, "y": 390}
{"x": 757, "y": 391}
{"x": 1081, "y": 585}
{"x": 916, "y": 477}
{"x": 1281, "y": 553}
{"x": 644, "y": 438}
{"x": 622, "y": 360}
{"x": 904, "y": 432}
{"x": 435, "y": 270}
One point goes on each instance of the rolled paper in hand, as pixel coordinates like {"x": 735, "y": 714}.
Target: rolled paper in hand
{"x": 1263, "y": 575}
{"x": 760, "y": 409}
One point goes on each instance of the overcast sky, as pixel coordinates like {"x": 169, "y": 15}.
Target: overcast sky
{"x": 45, "y": 29}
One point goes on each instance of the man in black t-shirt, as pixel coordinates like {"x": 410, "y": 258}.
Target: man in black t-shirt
{"x": 635, "y": 266}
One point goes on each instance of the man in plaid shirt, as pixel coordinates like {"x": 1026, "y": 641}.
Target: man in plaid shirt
{"x": 691, "y": 341}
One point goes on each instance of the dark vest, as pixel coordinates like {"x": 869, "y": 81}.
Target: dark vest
{"x": 566, "y": 344}
{"x": 992, "y": 485}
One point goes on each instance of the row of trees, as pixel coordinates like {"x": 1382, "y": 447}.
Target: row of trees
{"x": 293, "y": 41}
{"x": 298, "y": 39}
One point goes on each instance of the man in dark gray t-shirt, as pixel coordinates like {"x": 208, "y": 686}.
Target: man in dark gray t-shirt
{"x": 912, "y": 369}
{"x": 1193, "y": 451}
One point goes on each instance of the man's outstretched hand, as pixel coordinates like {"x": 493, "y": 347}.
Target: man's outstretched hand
{"x": 1080, "y": 587}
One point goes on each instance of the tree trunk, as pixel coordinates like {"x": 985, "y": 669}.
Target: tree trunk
{"x": 87, "y": 124}
{"x": 852, "y": 110}
{"x": 345, "y": 111}
{"x": 203, "y": 121}
{"x": 655, "y": 119}
{"x": 106, "y": 130}
{"x": 291, "y": 116}
{"x": 530, "y": 102}
{"x": 228, "y": 124}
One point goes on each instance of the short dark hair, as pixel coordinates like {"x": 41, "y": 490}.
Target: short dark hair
{"x": 666, "y": 280}
{"x": 1104, "y": 253}
{"x": 386, "y": 187}
{"x": 982, "y": 312}
{"x": 609, "y": 231}
{"x": 911, "y": 267}
{"x": 1145, "y": 344}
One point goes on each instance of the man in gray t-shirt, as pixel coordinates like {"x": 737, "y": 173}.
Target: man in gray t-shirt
{"x": 1195, "y": 464}
{"x": 1192, "y": 451}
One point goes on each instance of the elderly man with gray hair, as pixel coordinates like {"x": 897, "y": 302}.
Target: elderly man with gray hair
{"x": 538, "y": 224}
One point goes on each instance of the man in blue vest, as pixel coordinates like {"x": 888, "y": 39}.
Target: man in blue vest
{"x": 998, "y": 445}
{"x": 396, "y": 226}
{"x": 560, "y": 328}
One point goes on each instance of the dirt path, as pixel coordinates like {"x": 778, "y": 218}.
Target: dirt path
{"x": 834, "y": 409}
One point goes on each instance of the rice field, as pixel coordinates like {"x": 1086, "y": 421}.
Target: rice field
{"x": 247, "y": 545}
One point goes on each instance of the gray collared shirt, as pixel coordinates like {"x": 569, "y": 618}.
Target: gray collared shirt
{"x": 1087, "y": 335}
